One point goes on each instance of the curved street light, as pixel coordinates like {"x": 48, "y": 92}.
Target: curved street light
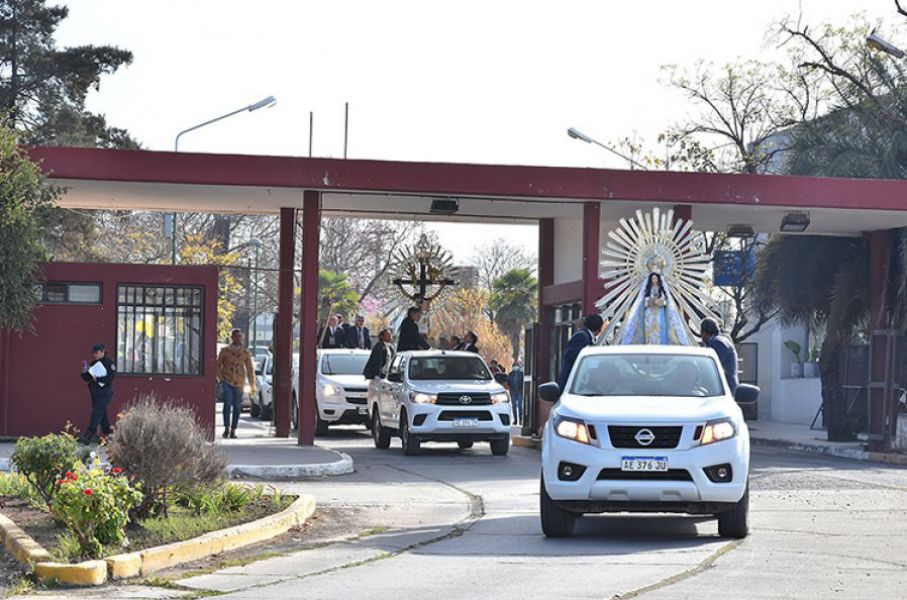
{"x": 579, "y": 135}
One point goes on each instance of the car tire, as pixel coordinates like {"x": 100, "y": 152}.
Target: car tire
{"x": 500, "y": 447}
{"x": 380, "y": 434}
{"x": 321, "y": 426}
{"x": 294, "y": 413}
{"x": 464, "y": 445}
{"x": 411, "y": 445}
{"x": 735, "y": 522}
{"x": 267, "y": 413}
{"x": 255, "y": 409}
{"x": 556, "y": 522}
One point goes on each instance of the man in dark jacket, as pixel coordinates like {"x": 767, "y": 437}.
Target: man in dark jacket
{"x": 469, "y": 342}
{"x": 358, "y": 336}
{"x": 333, "y": 335}
{"x": 727, "y": 355}
{"x": 99, "y": 376}
{"x": 593, "y": 325}
{"x": 408, "y": 336}
{"x": 380, "y": 358}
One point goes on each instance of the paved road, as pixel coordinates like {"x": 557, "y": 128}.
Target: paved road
{"x": 822, "y": 528}
{"x": 464, "y": 525}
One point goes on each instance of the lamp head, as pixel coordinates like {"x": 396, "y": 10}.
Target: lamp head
{"x": 578, "y": 135}
{"x": 265, "y": 103}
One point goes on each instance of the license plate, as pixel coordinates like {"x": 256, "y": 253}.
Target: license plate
{"x": 363, "y": 410}
{"x": 644, "y": 463}
{"x": 465, "y": 422}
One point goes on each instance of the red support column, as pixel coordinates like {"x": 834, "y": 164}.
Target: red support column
{"x": 881, "y": 393}
{"x": 283, "y": 345}
{"x": 592, "y": 212}
{"x": 308, "y": 315}
{"x": 546, "y": 278}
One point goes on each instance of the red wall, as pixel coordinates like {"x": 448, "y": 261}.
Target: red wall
{"x": 40, "y": 384}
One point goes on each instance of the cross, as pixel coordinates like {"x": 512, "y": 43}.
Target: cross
{"x": 424, "y": 281}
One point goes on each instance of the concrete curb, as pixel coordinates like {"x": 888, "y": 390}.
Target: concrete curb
{"x": 850, "y": 453}
{"x": 527, "y": 442}
{"x": 343, "y": 466}
{"x": 144, "y": 562}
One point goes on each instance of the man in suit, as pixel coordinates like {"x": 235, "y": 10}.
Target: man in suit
{"x": 358, "y": 336}
{"x": 593, "y": 325}
{"x": 380, "y": 359}
{"x": 722, "y": 345}
{"x": 332, "y": 336}
{"x": 469, "y": 342}
{"x": 455, "y": 343}
{"x": 408, "y": 336}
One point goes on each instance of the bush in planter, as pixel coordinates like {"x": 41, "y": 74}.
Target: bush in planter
{"x": 43, "y": 460}
{"x": 164, "y": 448}
{"x": 94, "y": 506}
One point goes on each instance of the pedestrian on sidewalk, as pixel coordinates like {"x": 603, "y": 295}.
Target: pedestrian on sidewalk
{"x": 234, "y": 367}
{"x": 722, "y": 345}
{"x": 99, "y": 376}
{"x": 516, "y": 379}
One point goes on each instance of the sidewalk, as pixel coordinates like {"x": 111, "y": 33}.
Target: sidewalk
{"x": 790, "y": 436}
{"x": 255, "y": 453}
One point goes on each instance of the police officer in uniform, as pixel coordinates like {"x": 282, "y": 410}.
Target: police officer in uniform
{"x": 99, "y": 375}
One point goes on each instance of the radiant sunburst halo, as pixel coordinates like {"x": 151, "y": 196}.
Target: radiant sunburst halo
{"x": 655, "y": 242}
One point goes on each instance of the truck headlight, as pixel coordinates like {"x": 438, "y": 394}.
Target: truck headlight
{"x": 500, "y": 398}
{"x": 572, "y": 430}
{"x": 423, "y": 398}
{"x": 331, "y": 390}
{"x": 716, "y": 431}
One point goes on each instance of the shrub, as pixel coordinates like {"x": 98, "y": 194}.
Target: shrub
{"x": 94, "y": 506}
{"x": 43, "y": 460}
{"x": 16, "y": 486}
{"x": 165, "y": 448}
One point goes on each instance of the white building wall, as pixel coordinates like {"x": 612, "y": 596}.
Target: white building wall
{"x": 568, "y": 250}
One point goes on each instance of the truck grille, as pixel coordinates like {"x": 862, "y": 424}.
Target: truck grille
{"x": 356, "y": 400}
{"x": 450, "y": 415}
{"x": 475, "y": 399}
{"x": 624, "y": 436}
{"x": 669, "y": 475}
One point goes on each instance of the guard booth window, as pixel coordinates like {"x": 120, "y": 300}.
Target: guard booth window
{"x": 159, "y": 330}
{"x": 565, "y": 320}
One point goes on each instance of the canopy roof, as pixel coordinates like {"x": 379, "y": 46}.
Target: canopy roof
{"x": 229, "y": 183}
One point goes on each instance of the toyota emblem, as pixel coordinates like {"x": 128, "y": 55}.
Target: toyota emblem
{"x": 465, "y": 399}
{"x": 644, "y": 437}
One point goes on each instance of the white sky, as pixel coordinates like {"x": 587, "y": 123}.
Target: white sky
{"x": 468, "y": 81}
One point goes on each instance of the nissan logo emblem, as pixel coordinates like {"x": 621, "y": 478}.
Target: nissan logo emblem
{"x": 465, "y": 399}
{"x": 644, "y": 437}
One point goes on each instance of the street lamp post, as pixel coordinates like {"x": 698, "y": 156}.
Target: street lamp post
{"x": 578, "y": 135}
{"x": 257, "y": 244}
{"x": 263, "y": 103}
{"x": 876, "y": 42}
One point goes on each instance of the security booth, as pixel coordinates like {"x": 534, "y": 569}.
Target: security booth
{"x": 159, "y": 325}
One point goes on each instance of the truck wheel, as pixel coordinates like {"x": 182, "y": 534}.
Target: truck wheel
{"x": 500, "y": 447}
{"x": 380, "y": 435}
{"x": 735, "y": 522}
{"x": 411, "y": 445}
{"x": 556, "y": 522}
{"x": 321, "y": 426}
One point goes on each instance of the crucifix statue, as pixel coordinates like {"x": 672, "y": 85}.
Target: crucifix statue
{"x": 422, "y": 272}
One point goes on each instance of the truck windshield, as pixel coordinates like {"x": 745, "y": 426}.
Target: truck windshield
{"x": 343, "y": 364}
{"x": 448, "y": 367}
{"x": 647, "y": 375}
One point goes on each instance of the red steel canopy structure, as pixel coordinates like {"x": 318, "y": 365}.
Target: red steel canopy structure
{"x": 572, "y": 207}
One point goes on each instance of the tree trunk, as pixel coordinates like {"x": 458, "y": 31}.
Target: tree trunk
{"x": 839, "y": 424}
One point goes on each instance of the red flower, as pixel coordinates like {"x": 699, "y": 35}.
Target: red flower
{"x": 117, "y": 470}
{"x": 88, "y": 492}
{"x": 69, "y": 475}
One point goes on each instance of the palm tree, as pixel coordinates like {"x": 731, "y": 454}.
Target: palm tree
{"x": 514, "y": 301}
{"x": 337, "y": 295}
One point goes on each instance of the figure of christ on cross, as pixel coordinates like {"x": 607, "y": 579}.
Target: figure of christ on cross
{"x": 428, "y": 277}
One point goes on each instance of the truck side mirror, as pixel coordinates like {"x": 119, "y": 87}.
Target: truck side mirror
{"x": 549, "y": 392}
{"x": 746, "y": 394}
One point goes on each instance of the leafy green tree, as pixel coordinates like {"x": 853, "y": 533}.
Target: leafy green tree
{"x": 24, "y": 196}
{"x": 43, "y": 88}
{"x": 514, "y": 301}
{"x": 337, "y": 295}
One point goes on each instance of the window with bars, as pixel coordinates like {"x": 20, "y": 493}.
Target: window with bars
{"x": 159, "y": 330}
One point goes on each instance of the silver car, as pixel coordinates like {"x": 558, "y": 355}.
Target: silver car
{"x": 439, "y": 396}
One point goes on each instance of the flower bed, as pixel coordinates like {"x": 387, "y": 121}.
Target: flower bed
{"x": 182, "y": 522}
